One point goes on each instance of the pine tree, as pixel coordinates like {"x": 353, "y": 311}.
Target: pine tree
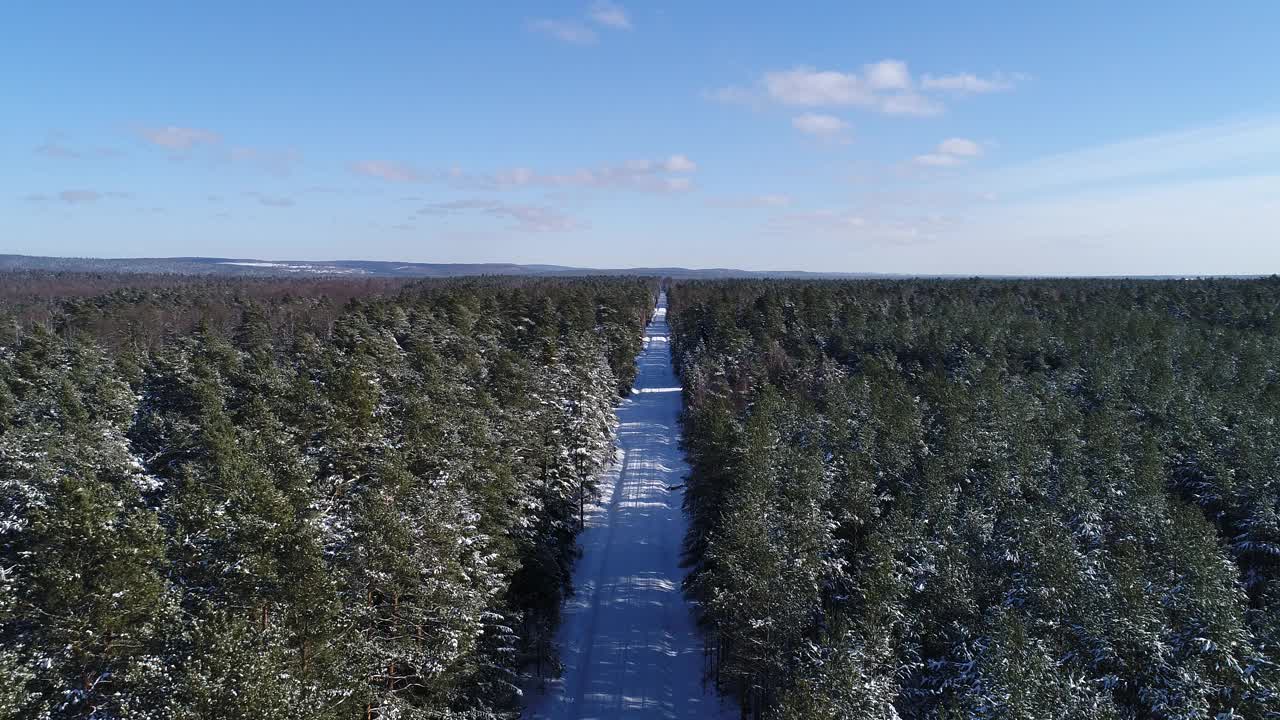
{"x": 82, "y": 552}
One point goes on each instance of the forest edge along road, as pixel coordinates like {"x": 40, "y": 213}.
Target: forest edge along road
{"x": 628, "y": 641}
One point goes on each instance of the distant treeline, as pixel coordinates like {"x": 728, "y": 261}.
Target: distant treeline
{"x": 296, "y": 499}
{"x": 983, "y": 499}
{"x": 123, "y": 310}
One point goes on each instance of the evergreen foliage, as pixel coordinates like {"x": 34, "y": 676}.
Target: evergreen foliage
{"x": 254, "y": 499}
{"x": 985, "y": 499}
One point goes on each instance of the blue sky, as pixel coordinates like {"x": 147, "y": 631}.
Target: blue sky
{"x": 976, "y": 137}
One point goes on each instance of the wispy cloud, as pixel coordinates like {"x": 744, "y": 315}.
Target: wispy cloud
{"x": 887, "y": 75}
{"x": 736, "y": 95}
{"x": 970, "y": 84}
{"x": 679, "y": 164}
{"x": 609, "y": 14}
{"x": 76, "y": 196}
{"x": 886, "y": 86}
{"x": 911, "y": 104}
{"x": 278, "y": 201}
{"x": 179, "y": 138}
{"x": 666, "y": 175}
{"x": 855, "y": 227}
{"x": 824, "y": 127}
{"x": 388, "y": 170}
{"x": 276, "y": 162}
{"x": 566, "y": 31}
{"x": 180, "y": 142}
{"x": 525, "y": 218}
{"x": 1201, "y": 200}
{"x": 56, "y": 148}
{"x": 573, "y": 31}
{"x": 809, "y": 87}
{"x": 949, "y": 153}
{"x": 1205, "y": 225}
{"x": 751, "y": 201}
{"x": 79, "y": 197}
{"x": 1233, "y": 148}
{"x": 819, "y": 220}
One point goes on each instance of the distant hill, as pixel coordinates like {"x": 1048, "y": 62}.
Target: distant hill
{"x": 367, "y": 268}
{"x": 388, "y": 269}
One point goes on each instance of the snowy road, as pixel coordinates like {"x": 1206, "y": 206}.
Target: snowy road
{"x": 627, "y": 640}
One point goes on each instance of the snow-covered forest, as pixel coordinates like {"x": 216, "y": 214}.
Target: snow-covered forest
{"x": 359, "y": 499}
{"x": 296, "y": 498}
{"x": 985, "y": 499}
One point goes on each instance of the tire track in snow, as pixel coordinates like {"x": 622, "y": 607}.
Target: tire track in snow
{"x": 627, "y": 638}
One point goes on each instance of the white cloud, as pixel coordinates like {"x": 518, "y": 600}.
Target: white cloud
{"x": 808, "y": 87}
{"x": 526, "y": 218}
{"x": 609, "y": 14}
{"x": 566, "y": 31}
{"x": 827, "y": 127}
{"x": 680, "y": 164}
{"x": 960, "y": 147}
{"x": 888, "y": 75}
{"x": 179, "y": 138}
{"x": 950, "y": 152}
{"x": 886, "y": 86}
{"x": 970, "y": 84}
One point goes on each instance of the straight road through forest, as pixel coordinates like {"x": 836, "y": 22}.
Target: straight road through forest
{"x": 627, "y": 639}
